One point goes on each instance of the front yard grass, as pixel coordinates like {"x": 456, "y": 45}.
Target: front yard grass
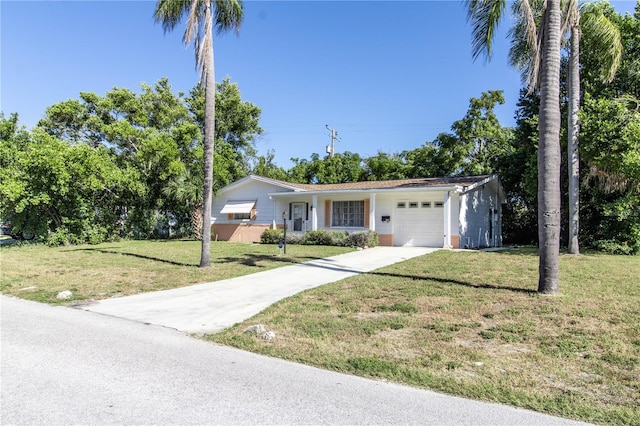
{"x": 38, "y": 272}
{"x": 471, "y": 324}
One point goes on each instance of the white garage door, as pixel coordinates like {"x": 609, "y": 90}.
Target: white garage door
{"x": 419, "y": 224}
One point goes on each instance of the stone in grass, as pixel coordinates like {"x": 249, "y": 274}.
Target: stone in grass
{"x": 268, "y": 336}
{"x": 64, "y": 295}
{"x": 256, "y": 329}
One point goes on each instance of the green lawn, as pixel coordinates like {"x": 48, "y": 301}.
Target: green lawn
{"x": 471, "y": 324}
{"x": 38, "y": 272}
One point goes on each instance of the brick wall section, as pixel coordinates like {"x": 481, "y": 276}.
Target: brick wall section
{"x": 235, "y": 232}
{"x": 385, "y": 240}
{"x": 455, "y": 241}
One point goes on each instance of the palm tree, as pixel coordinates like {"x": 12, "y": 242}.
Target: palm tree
{"x": 545, "y": 41}
{"x": 605, "y": 37}
{"x": 589, "y": 19}
{"x": 202, "y": 17}
{"x": 184, "y": 190}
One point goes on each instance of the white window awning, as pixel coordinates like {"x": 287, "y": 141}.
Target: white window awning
{"x": 238, "y": 207}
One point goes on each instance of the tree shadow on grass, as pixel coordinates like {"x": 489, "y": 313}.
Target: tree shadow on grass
{"x": 247, "y": 260}
{"x": 255, "y": 259}
{"x": 455, "y": 282}
{"x": 139, "y": 256}
{"x": 529, "y": 251}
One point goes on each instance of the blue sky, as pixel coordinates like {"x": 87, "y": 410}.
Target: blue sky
{"x": 388, "y": 76}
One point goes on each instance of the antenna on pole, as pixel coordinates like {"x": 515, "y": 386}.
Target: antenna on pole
{"x": 334, "y": 137}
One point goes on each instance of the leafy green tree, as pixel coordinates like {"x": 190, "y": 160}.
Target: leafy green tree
{"x": 63, "y": 193}
{"x": 474, "y": 147}
{"x": 480, "y": 132}
{"x": 153, "y": 133}
{"x": 341, "y": 168}
{"x": 202, "y": 17}
{"x": 611, "y": 129}
{"x": 545, "y": 40}
{"x": 237, "y": 128}
{"x": 519, "y": 174}
{"x": 444, "y": 156}
{"x": 266, "y": 167}
{"x": 384, "y": 166}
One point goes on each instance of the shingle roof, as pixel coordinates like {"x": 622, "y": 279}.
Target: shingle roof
{"x": 463, "y": 181}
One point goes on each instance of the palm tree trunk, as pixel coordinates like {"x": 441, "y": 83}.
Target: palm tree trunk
{"x": 572, "y": 145}
{"x": 196, "y": 222}
{"x": 209, "y": 136}
{"x": 549, "y": 152}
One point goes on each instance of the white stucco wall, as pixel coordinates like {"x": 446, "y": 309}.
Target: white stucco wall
{"x": 249, "y": 191}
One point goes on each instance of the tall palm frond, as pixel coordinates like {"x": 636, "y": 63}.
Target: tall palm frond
{"x": 605, "y": 39}
{"x": 484, "y": 16}
{"x": 526, "y": 40}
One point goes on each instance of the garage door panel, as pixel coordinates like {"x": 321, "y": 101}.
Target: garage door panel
{"x": 419, "y": 227}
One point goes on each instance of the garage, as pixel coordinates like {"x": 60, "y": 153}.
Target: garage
{"x": 419, "y": 224}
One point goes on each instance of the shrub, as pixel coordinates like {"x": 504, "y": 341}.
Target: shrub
{"x": 323, "y": 237}
{"x": 362, "y": 239}
{"x": 615, "y": 247}
{"x": 95, "y": 234}
{"x": 274, "y": 236}
{"x": 271, "y": 236}
{"x": 294, "y": 238}
{"x": 61, "y": 237}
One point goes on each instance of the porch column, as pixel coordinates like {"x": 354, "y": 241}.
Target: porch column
{"x": 314, "y": 213}
{"x": 372, "y": 212}
{"x": 447, "y": 220}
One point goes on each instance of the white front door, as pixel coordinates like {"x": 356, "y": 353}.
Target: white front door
{"x": 298, "y": 215}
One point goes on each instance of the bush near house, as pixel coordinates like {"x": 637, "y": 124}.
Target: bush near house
{"x": 322, "y": 237}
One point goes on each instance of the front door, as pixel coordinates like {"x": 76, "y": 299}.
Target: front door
{"x": 298, "y": 215}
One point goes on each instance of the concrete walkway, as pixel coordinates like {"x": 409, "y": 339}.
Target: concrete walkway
{"x": 212, "y": 307}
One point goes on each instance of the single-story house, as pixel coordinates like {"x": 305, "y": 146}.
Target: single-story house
{"x": 459, "y": 212}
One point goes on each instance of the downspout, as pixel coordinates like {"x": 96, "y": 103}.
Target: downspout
{"x": 314, "y": 213}
{"x": 447, "y": 220}
{"x": 273, "y": 223}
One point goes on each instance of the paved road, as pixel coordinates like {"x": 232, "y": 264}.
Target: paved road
{"x": 67, "y": 366}
{"x": 212, "y": 307}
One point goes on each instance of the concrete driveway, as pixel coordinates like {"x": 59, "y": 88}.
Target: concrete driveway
{"x": 212, "y": 307}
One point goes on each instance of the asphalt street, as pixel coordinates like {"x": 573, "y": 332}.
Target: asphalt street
{"x": 67, "y": 366}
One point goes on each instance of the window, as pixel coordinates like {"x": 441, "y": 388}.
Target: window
{"x": 438, "y": 204}
{"x": 413, "y": 205}
{"x": 426, "y": 204}
{"x": 241, "y": 216}
{"x": 240, "y": 210}
{"x": 402, "y": 205}
{"x": 347, "y": 213}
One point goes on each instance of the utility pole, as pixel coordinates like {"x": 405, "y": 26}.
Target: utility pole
{"x": 334, "y": 137}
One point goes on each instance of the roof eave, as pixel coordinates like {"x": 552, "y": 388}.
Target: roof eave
{"x": 260, "y": 179}
{"x": 455, "y": 188}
